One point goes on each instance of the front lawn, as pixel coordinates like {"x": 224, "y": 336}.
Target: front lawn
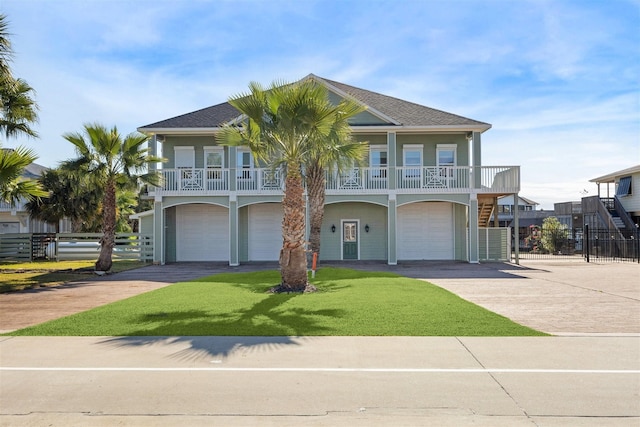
{"x": 17, "y": 276}
{"x": 348, "y": 302}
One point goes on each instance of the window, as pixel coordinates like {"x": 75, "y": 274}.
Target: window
{"x": 412, "y": 158}
{"x": 446, "y": 155}
{"x": 624, "y": 186}
{"x": 378, "y": 161}
{"x": 244, "y": 164}
{"x": 214, "y": 157}
{"x": 185, "y": 157}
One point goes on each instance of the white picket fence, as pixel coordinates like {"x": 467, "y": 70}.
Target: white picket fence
{"x": 73, "y": 246}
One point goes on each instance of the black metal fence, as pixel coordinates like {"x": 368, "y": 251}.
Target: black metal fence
{"x": 603, "y": 245}
{"x": 611, "y": 245}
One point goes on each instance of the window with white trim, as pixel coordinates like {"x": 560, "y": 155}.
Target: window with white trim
{"x": 378, "y": 161}
{"x": 185, "y": 157}
{"x": 244, "y": 163}
{"x": 412, "y": 160}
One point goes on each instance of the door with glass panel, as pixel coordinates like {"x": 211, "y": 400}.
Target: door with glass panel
{"x": 349, "y": 240}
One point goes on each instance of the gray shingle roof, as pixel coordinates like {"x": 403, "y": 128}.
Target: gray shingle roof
{"x": 403, "y": 113}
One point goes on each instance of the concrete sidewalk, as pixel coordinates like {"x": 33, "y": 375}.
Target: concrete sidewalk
{"x": 320, "y": 381}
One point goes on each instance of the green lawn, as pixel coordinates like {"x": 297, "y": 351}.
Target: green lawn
{"x": 348, "y": 302}
{"x": 17, "y": 276}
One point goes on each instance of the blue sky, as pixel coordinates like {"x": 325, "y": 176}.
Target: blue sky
{"x": 558, "y": 80}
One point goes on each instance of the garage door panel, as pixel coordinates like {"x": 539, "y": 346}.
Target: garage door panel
{"x": 202, "y": 233}
{"x": 265, "y": 231}
{"x": 425, "y": 231}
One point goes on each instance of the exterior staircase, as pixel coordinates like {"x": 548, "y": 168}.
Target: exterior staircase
{"x": 485, "y": 211}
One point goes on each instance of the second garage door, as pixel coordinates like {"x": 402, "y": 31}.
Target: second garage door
{"x": 265, "y": 232}
{"x": 202, "y": 233}
{"x": 425, "y": 231}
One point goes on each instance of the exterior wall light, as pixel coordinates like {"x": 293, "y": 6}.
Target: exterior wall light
{"x": 366, "y": 228}
{"x": 333, "y": 228}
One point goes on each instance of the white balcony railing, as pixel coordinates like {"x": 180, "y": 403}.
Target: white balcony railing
{"x": 10, "y": 207}
{"x": 428, "y": 179}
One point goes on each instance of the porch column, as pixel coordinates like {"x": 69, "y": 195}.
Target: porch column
{"x": 158, "y": 231}
{"x": 476, "y": 160}
{"x": 233, "y": 176}
{"x": 391, "y": 160}
{"x": 392, "y": 256}
{"x": 516, "y": 228}
{"x": 474, "y": 250}
{"x": 233, "y": 230}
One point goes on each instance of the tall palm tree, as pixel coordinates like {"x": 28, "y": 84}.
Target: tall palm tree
{"x": 283, "y": 126}
{"x": 335, "y": 151}
{"x": 18, "y": 110}
{"x": 112, "y": 161}
{"x": 12, "y": 187}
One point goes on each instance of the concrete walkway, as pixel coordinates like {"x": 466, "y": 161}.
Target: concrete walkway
{"x": 591, "y": 378}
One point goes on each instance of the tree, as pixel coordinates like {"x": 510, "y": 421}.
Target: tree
{"x": 12, "y": 187}
{"x": 282, "y": 128}
{"x": 332, "y": 151}
{"x": 554, "y": 234}
{"x": 18, "y": 110}
{"x": 71, "y": 194}
{"x": 112, "y": 161}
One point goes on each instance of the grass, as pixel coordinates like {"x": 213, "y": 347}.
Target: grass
{"x": 17, "y": 276}
{"x": 348, "y": 303}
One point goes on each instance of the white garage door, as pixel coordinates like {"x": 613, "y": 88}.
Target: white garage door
{"x": 202, "y": 233}
{"x": 265, "y": 232}
{"x": 425, "y": 231}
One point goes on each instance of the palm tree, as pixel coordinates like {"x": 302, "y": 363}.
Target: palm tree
{"x": 12, "y": 187}
{"x": 337, "y": 151}
{"x": 71, "y": 195}
{"x": 18, "y": 109}
{"x": 283, "y": 127}
{"x": 112, "y": 161}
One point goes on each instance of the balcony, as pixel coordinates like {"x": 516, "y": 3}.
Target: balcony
{"x": 11, "y": 207}
{"x": 376, "y": 180}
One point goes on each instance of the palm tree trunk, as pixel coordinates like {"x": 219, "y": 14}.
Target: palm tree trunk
{"x": 293, "y": 259}
{"x": 107, "y": 241}
{"x": 316, "y": 193}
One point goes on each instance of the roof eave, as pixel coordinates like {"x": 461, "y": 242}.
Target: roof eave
{"x": 180, "y": 131}
{"x": 611, "y": 177}
{"x": 443, "y": 128}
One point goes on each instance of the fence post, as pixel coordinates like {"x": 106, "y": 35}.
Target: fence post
{"x": 586, "y": 241}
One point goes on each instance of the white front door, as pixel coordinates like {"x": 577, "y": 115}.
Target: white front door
{"x": 202, "y": 233}
{"x": 265, "y": 231}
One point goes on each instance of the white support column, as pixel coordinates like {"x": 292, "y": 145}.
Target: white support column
{"x": 392, "y": 256}
{"x": 233, "y": 231}
{"x": 474, "y": 248}
{"x": 158, "y": 231}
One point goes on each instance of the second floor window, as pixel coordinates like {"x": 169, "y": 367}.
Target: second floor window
{"x": 412, "y": 158}
{"x": 244, "y": 164}
{"x": 378, "y": 161}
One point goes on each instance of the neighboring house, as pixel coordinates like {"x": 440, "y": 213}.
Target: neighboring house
{"x": 619, "y": 204}
{"x": 13, "y": 216}
{"x": 506, "y": 207}
{"x": 420, "y": 196}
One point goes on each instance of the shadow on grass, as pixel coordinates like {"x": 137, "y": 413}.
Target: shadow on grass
{"x": 197, "y": 335}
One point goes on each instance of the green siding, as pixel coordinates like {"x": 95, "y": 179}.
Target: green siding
{"x": 197, "y": 142}
{"x": 170, "y": 234}
{"x": 373, "y": 245}
{"x": 460, "y": 227}
{"x": 430, "y": 142}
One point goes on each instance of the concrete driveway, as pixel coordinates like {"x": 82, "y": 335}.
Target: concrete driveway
{"x": 590, "y": 376}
